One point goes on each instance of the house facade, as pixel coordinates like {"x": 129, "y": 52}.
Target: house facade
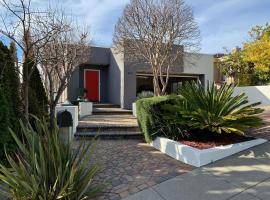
{"x": 109, "y": 77}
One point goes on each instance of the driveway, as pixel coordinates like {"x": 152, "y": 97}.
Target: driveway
{"x": 129, "y": 166}
{"x": 244, "y": 176}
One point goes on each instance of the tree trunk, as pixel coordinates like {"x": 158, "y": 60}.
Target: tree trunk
{"x": 156, "y": 86}
{"x": 164, "y": 87}
{"x": 26, "y": 99}
{"x": 52, "y": 103}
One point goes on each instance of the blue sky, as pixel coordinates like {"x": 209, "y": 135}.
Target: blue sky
{"x": 223, "y": 23}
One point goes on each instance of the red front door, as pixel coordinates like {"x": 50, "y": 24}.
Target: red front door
{"x": 91, "y": 80}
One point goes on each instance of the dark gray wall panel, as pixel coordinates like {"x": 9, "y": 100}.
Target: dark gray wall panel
{"x": 99, "y": 56}
{"x": 73, "y": 85}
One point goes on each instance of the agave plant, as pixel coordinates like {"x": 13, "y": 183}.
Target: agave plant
{"x": 214, "y": 110}
{"x": 45, "y": 168}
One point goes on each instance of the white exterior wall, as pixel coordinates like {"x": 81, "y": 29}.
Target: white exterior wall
{"x": 201, "y": 64}
{"x": 255, "y": 94}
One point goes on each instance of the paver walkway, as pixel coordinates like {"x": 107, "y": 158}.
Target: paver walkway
{"x": 129, "y": 166}
{"x": 244, "y": 176}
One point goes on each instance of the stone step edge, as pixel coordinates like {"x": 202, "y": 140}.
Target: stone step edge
{"x": 110, "y": 111}
{"x": 105, "y": 106}
{"x": 120, "y": 133}
{"x": 107, "y": 126}
{"x": 110, "y": 136}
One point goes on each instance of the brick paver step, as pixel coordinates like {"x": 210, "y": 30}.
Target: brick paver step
{"x": 111, "y": 135}
{"x": 108, "y": 120}
{"x": 90, "y": 128}
{"x": 123, "y": 126}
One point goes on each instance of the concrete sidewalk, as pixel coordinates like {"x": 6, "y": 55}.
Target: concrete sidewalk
{"x": 244, "y": 176}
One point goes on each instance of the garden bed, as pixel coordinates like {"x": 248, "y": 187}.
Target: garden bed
{"x": 214, "y": 140}
{"x": 200, "y": 157}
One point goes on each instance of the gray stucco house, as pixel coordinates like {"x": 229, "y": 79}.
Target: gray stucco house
{"x": 109, "y": 78}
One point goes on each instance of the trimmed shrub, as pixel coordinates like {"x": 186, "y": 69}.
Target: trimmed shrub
{"x": 149, "y": 114}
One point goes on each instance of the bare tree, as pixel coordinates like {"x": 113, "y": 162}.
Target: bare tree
{"x": 30, "y": 29}
{"x": 157, "y": 32}
{"x": 60, "y": 57}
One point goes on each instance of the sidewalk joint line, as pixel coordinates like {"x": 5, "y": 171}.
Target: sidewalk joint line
{"x": 159, "y": 193}
{"x": 247, "y": 188}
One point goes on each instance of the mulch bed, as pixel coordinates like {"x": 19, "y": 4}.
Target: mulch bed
{"x": 214, "y": 141}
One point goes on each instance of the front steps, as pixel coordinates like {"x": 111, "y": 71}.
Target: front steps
{"x": 110, "y": 111}
{"x": 109, "y": 122}
{"x": 110, "y": 135}
{"x": 105, "y": 105}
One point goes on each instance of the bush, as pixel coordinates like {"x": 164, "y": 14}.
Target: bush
{"x": 145, "y": 94}
{"x": 6, "y": 140}
{"x": 214, "y": 110}
{"x": 149, "y": 115}
{"x": 38, "y": 101}
{"x": 80, "y": 93}
{"x": 10, "y": 105}
{"x": 46, "y": 168}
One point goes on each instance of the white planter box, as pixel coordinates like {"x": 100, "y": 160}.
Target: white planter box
{"x": 134, "y": 111}
{"x": 74, "y": 112}
{"x": 198, "y": 157}
{"x": 85, "y": 108}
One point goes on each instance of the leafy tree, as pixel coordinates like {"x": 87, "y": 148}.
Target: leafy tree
{"x": 9, "y": 98}
{"x": 4, "y": 124}
{"x": 13, "y": 82}
{"x": 257, "y": 51}
{"x": 38, "y": 102}
{"x": 233, "y": 65}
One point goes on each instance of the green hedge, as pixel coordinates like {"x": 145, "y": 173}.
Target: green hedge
{"x": 148, "y": 109}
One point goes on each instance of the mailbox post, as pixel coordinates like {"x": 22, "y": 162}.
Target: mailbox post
{"x": 65, "y": 123}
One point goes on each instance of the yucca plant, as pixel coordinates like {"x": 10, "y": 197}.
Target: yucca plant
{"x": 213, "y": 110}
{"x": 45, "y": 168}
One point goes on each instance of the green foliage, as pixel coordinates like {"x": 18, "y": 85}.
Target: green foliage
{"x": 81, "y": 92}
{"x": 214, "y": 110}
{"x": 145, "y": 94}
{"x": 257, "y": 50}
{"x": 45, "y": 168}
{"x": 4, "y": 124}
{"x": 10, "y": 108}
{"x": 251, "y": 64}
{"x": 38, "y": 101}
{"x": 233, "y": 63}
{"x": 149, "y": 114}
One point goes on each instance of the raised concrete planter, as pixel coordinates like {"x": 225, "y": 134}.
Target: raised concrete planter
{"x": 85, "y": 108}
{"x": 74, "y": 112}
{"x": 197, "y": 157}
{"x": 134, "y": 111}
